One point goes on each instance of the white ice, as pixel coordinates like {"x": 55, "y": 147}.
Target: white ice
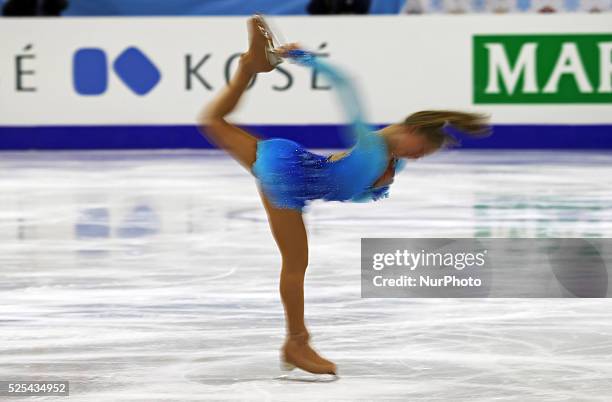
{"x": 146, "y": 276}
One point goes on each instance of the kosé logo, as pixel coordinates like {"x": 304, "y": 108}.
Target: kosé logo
{"x": 132, "y": 66}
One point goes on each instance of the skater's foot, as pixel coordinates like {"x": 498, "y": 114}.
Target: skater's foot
{"x": 257, "y": 58}
{"x": 313, "y": 354}
{"x": 297, "y": 352}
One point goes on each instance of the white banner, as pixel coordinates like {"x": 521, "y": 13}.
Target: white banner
{"x": 97, "y": 71}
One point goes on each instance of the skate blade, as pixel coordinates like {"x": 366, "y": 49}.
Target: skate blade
{"x": 285, "y": 366}
{"x": 306, "y": 377}
{"x": 273, "y": 58}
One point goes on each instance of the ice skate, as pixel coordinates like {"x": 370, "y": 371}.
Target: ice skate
{"x": 261, "y": 56}
{"x": 272, "y": 42}
{"x": 296, "y": 352}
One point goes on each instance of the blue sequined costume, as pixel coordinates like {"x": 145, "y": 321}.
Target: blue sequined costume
{"x": 291, "y": 176}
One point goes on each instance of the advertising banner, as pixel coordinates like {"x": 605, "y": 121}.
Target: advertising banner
{"x": 150, "y": 73}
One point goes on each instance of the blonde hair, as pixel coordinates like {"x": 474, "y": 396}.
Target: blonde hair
{"x": 431, "y": 123}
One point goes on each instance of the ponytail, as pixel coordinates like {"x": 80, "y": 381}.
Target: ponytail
{"x": 431, "y": 123}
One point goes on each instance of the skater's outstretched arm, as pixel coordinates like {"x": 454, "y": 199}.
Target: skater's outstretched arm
{"x": 349, "y": 98}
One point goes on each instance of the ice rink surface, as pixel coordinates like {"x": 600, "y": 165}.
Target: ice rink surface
{"x": 152, "y": 276}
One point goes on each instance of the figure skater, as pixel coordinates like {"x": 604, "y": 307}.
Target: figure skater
{"x": 289, "y": 177}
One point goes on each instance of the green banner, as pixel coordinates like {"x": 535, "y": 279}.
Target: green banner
{"x": 561, "y": 68}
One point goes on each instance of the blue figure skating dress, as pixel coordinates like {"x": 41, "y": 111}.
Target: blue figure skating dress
{"x": 291, "y": 176}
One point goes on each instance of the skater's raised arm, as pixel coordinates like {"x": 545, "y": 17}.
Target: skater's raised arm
{"x": 345, "y": 89}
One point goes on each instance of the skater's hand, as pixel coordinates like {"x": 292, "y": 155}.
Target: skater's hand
{"x": 284, "y": 49}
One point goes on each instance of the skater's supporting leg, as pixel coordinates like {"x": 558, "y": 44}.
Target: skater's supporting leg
{"x": 289, "y": 232}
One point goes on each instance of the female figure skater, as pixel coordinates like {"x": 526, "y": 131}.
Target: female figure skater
{"x": 290, "y": 176}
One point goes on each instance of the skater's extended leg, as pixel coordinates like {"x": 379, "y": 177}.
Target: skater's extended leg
{"x": 289, "y": 232}
{"x": 240, "y": 144}
{"x": 212, "y": 120}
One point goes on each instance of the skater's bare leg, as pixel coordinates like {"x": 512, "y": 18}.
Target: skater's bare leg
{"x": 288, "y": 229}
{"x": 240, "y": 144}
{"x": 287, "y": 225}
{"x": 212, "y": 120}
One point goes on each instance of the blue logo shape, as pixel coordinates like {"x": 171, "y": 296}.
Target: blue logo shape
{"x": 90, "y": 76}
{"x": 136, "y": 71}
{"x": 90, "y": 71}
